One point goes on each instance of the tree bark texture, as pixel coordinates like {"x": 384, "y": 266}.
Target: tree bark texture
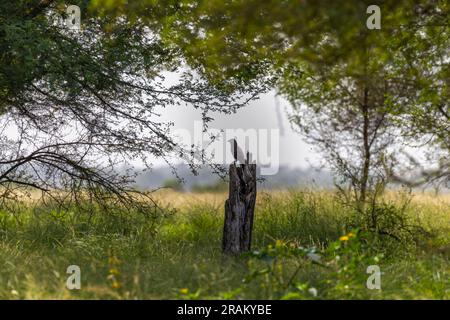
{"x": 239, "y": 209}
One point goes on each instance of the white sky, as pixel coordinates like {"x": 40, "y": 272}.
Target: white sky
{"x": 259, "y": 114}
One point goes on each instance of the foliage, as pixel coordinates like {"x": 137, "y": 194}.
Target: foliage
{"x": 218, "y": 186}
{"x": 355, "y": 92}
{"x": 173, "y": 184}
{"x": 79, "y": 104}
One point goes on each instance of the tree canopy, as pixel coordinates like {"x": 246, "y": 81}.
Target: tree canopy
{"x": 74, "y": 104}
{"x": 323, "y": 54}
{"x": 82, "y": 101}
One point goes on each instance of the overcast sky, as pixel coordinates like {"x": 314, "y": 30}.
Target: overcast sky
{"x": 259, "y": 114}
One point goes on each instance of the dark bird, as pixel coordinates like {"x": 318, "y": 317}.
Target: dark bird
{"x": 236, "y": 151}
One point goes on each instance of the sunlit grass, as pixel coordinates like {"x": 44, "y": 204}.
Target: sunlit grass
{"x": 122, "y": 257}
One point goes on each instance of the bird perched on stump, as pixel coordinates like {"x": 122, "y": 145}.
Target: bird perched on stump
{"x": 237, "y": 152}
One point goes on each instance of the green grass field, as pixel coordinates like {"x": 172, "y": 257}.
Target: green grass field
{"x": 178, "y": 256}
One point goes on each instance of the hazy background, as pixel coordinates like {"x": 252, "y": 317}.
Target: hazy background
{"x": 299, "y": 162}
{"x": 268, "y": 112}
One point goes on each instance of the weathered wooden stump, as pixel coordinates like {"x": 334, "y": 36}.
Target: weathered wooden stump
{"x": 239, "y": 209}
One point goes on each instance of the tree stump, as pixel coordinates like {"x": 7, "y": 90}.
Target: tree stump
{"x": 239, "y": 209}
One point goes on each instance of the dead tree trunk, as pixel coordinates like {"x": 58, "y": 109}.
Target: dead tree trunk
{"x": 239, "y": 209}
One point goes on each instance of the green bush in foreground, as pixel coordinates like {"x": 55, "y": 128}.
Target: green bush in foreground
{"x": 304, "y": 248}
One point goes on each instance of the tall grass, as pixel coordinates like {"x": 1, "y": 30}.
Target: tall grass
{"x": 129, "y": 256}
